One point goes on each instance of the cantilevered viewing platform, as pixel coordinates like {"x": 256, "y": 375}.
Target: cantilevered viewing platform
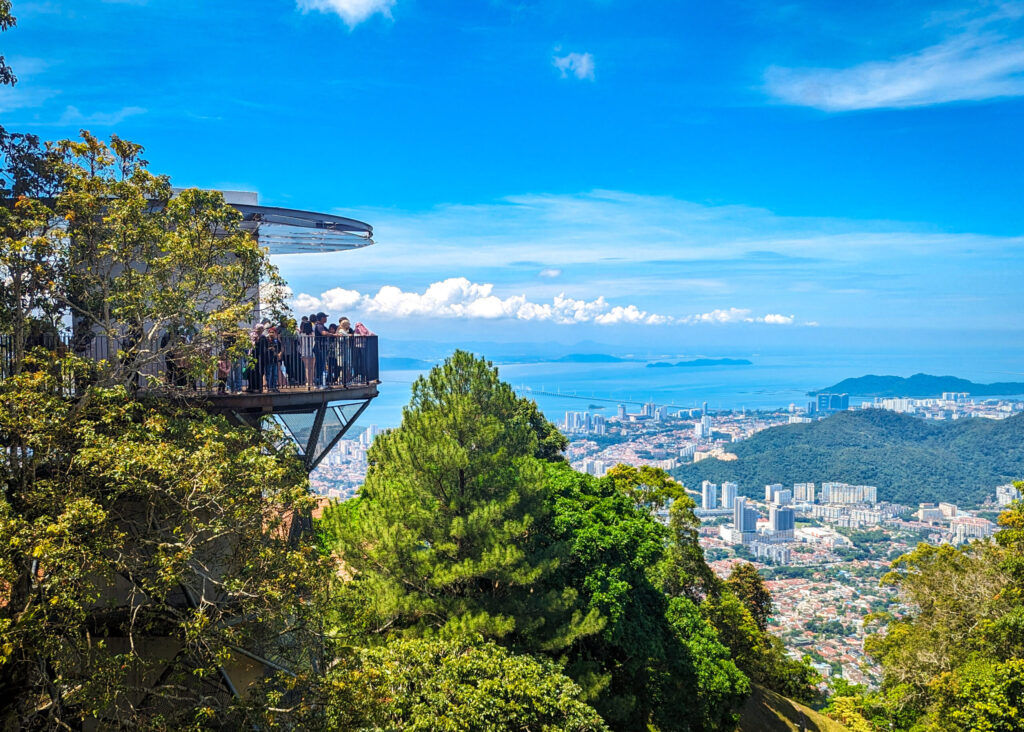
{"x": 325, "y": 381}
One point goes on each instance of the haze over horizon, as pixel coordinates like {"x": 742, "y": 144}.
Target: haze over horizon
{"x": 691, "y": 179}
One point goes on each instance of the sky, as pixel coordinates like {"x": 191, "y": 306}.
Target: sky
{"x": 691, "y": 177}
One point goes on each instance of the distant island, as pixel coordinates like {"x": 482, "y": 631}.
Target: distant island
{"x": 700, "y": 362}
{"x": 918, "y": 385}
{"x": 589, "y": 358}
{"x": 909, "y": 459}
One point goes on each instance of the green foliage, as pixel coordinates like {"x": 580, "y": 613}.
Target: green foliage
{"x": 467, "y": 526}
{"x": 981, "y": 695}
{"x": 7, "y": 77}
{"x": 136, "y": 270}
{"x": 416, "y": 684}
{"x": 747, "y": 585}
{"x": 140, "y": 545}
{"x": 909, "y": 459}
{"x": 647, "y": 487}
{"x": 759, "y": 654}
{"x": 957, "y": 660}
{"x": 650, "y": 662}
{"x": 444, "y": 536}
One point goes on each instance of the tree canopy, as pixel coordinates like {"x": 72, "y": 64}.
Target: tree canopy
{"x": 955, "y": 660}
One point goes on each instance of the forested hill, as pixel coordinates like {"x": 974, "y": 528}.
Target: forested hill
{"x": 918, "y": 385}
{"x": 909, "y": 459}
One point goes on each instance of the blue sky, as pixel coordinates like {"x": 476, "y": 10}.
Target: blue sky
{"x": 701, "y": 173}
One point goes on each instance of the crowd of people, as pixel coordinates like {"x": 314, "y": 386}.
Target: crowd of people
{"x": 315, "y": 355}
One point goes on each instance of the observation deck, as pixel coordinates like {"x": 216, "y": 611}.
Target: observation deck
{"x": 324, "y": 382}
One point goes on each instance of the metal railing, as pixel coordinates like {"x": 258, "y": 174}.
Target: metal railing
{"x": 287, "y": 363}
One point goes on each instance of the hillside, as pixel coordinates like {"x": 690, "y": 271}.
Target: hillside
{"x": 909, "y": 459}
{"x": 918, "y": 385}
{"x": 766, "y": 711}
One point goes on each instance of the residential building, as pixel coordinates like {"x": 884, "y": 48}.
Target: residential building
{"x": 729, "y": 491}
{"x": 709, "y": 495}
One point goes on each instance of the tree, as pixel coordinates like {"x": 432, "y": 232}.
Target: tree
{"x": 419, "y": 684}
{"x": 443, "y": 538}
{"x": 648, "y": 487}
{"x": 7, "y": 77}
{"x": 758, "y": 653}
{"x": 143, "y": 545}
{"x": 652, "y": 662}
{"x": 684, "y": 572}
{"x": 462, "y": 528}
{"x": 144, "y": 550}
{"x": 745, "y": 582}
{"x": 954, "y": 660}
{"x": 143, "y": 272}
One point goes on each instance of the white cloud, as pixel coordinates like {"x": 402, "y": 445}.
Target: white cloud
{"x": 776, "y": 319}
{"x": 984, "y": 59}
{"x": 457, "y": 297}
{"x": 72, "y": 116}
{"x": 730, "y": 315}
{"x": 353, "y": 12}
{"x": 551, "y": 273}
{"x": 580, "y": 65}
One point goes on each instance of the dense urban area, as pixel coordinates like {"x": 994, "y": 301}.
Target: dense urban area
{"x": 822, "y": 547}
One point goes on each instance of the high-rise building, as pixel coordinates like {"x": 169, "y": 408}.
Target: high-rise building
{"x": 709, "y": 495}
{"x": 729, "y": 494}
{"x": 846, "y": 493}
{"x": 744, "y": 518}
{"x": 704, "y": 409}
{"x": 783, "y": 497}
{"x": 770, "y": 491}
{"x": 833, "y": 402}
{"x": 804, "y": 492}
{"x": 622, "y": 411}
{"x": 774, "y": 553}
{"x": 781, "y": 522}
{"x": 1006, "y": 494}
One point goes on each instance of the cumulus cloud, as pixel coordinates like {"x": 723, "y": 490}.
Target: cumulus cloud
{"x": 353, "y": 12}
{"x": 552, "y": 273}
{"x": 580, "y": 65}
{"x": 731, "y": 315}
{"x": 737, "y": 315}
{"x": 457, "y": 297}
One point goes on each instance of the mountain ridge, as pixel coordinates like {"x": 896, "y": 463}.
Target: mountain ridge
{"x": 909, "y": 459}
{"x": 918, "y": 385}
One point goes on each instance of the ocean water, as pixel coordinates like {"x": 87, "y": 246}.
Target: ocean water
{"x": 772, "y": 381}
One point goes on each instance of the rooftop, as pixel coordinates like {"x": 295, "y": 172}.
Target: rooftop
{"x": 294, "y": 231}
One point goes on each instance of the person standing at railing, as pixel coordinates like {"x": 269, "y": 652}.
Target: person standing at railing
{"x": 359, "y": 351}
{"x": 334, "y": 359}
{"x": 322, "y": 339}
{"x": 306, "y": 339}
{"x": 236, "y": 369}
{"x": 272, "y": 359}
{"x": 255, "y": 369}
{"x": 345, "y": 333}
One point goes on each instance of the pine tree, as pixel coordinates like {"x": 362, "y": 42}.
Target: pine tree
{"x": 443, "y": 538}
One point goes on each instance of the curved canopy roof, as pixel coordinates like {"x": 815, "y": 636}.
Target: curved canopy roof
{"x": 293, "y": 231}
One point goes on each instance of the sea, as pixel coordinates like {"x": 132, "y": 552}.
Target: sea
{"x": 772, "y": 381}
